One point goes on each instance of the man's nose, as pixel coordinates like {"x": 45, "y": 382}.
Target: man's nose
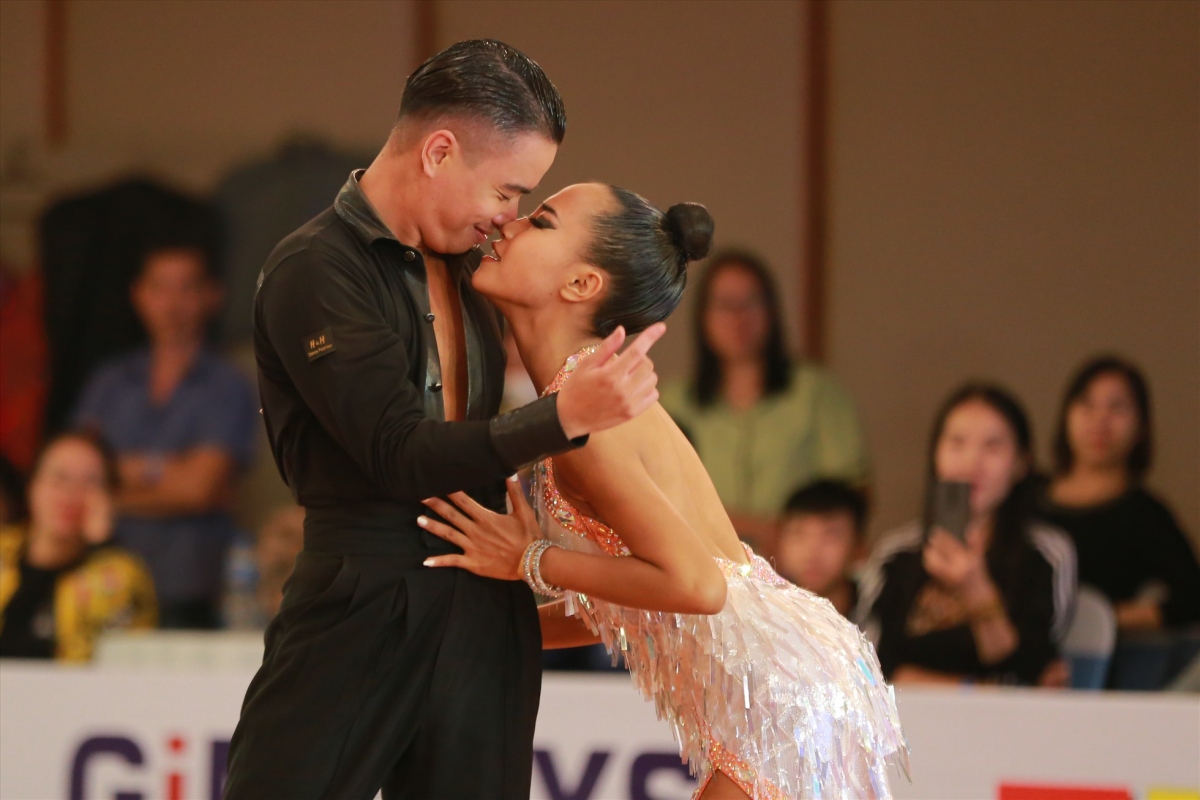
{"x": 506, "y": 216}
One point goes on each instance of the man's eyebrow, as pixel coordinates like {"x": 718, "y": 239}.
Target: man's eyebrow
{"x": 549, "y": 209}
{"x": 517, "y": 188}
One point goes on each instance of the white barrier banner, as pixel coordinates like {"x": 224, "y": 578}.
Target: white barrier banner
{"x": 109, "y": 734}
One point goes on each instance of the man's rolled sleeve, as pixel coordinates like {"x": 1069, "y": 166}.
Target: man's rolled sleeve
{"x": 526, "y": 434}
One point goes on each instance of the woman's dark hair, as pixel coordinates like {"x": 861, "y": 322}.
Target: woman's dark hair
{"x": 487, "y": 79}
{"x": 112, "y": 476}
{"x": 645, "y": 253}
{"x": 1014, "y": 514}
{"x": 778, "y": 367}
{"x": 1140, "y": 456}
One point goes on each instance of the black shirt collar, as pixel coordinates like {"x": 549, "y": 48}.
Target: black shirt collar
{"x": 356, "y": 211}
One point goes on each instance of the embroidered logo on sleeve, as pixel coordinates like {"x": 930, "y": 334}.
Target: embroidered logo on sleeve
{"x": 319, "y": 344}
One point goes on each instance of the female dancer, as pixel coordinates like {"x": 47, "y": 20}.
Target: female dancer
{"x": 770, "y": 692}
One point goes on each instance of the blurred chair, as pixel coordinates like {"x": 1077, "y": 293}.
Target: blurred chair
{"x": 1148, "y": 662}
{"x": 1090, "y": 640}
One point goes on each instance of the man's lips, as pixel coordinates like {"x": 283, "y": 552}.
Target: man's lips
{"x": 482, "y": 233}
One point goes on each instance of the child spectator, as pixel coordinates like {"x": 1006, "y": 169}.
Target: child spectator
{"x": 182, "y": 421}
{"x": 993, "y": 605}
{"x": 820, "y": 535}
{"x": 61, "y": 585}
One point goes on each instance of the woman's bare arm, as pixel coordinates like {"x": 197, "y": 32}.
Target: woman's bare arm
{"x": 670, "y": 568}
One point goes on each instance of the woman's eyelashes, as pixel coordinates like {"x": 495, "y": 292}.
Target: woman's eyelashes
{"x": 540, "y": 223}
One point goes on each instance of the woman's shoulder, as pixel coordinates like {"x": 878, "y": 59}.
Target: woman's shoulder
{"x": 676, "y": 397}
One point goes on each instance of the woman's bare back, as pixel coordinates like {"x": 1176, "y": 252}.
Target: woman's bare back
{"x": 677, "y": 471}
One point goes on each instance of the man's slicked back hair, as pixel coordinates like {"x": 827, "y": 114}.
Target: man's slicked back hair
{"x": 487, "y": 80}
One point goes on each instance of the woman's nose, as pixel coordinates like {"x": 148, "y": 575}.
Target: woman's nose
{"x": 510, "y": 229}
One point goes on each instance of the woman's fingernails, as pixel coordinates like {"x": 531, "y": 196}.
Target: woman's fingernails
{"x": 429, "y": 562}
{"x": 423, "y": 521}
{"x": 513, "y": 478}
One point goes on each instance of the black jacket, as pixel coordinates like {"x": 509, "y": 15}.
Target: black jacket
{"x": 350, "y": 377}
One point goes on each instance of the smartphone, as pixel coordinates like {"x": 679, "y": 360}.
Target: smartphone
{"x": 952, "y": 507}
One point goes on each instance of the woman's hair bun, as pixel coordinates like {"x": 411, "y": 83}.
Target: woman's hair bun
{"x": 691, "y": 229}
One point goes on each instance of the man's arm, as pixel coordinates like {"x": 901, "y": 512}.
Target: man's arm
{"x": 358, "y": 389}
{"x": 195, "y": 482}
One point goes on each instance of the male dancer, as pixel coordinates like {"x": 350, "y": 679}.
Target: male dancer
{"x": 380, "y": 369}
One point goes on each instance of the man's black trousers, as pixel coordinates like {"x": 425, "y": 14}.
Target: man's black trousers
{"x": 380, "y": 672}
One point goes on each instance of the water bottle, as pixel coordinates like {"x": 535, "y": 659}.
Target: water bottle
{"x": 240, "y": 603}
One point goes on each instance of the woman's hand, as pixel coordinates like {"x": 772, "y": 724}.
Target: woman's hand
{"x": 492, "y": 544}
{"x": 960, "y": 567}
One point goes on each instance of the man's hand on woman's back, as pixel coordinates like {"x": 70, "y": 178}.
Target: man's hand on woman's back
{"x": 611, "y": 388}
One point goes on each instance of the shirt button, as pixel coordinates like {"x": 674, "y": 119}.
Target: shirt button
{"x": 409, "y": 255}
{"x": 437, "y": 387}
{"x": 429, "y": 317}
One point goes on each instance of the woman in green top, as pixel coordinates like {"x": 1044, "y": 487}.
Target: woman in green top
{"x": 763, "y": 424}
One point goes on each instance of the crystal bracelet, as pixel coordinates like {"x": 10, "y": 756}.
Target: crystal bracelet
{"x": 531, "y": 570}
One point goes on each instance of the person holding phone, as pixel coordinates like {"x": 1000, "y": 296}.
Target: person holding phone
{"x": 977, "y": 590}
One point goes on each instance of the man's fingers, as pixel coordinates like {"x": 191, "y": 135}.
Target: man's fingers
{"x": 642, "y": 344}
{"x": 609, "y": 347}
{"x": 641, "y": 372}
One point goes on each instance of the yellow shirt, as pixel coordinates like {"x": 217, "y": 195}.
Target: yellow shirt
{"x": 110, "y": 589}
{"x": 758, "y": 457}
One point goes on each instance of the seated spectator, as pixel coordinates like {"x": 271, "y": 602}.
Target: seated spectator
{"x": 1130, "y": 546}
{"x": 61, "y": 584}
{"x": 820, "y": 534}
{"x": 182, "y": 422}
{"x": 761, "y": 423}
{"x": 993, "y": 605}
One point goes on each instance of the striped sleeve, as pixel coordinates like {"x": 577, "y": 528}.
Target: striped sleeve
{"x": 1059, "y": 551}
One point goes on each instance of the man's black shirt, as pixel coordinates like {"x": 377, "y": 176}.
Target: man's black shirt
{"x": 350, "y": 378}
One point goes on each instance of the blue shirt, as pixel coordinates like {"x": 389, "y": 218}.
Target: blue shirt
{"x": 213, "y": 406}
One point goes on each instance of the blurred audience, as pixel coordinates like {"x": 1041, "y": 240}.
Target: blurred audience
{"x": 762, "y": 423}
{"x": 61, "y": 584}
{"x": 992, "y": 606}
{"x": 92, "y": 245}
{"x": 182, "y": 421}
{"x": 1130, "y": 546}
{"x": 820, "y": 537}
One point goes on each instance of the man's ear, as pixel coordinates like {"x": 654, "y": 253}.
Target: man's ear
{"x": 438, "y": 148}
{"x": 586, "y": 284}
